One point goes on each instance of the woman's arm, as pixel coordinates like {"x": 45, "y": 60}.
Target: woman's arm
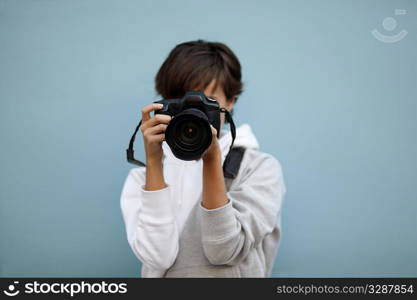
{"x": 236, "y": 221}
{"x": 154, "y": 176}
{"x": 214, "y": 189}
{"x": 149, "y": 217}
{"x": 148, "y": 204}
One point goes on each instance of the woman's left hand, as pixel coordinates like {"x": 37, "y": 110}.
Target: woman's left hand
{"x": 213, "y": 151}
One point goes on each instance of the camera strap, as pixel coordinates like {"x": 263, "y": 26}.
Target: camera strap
{"x": 130, "y": 152}
{"x": 232, "y": 126}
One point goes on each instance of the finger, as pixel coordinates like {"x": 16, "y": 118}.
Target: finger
{"x": 148, "y": 108}
{"x": 213, "y": 130}
{"x": 154, "y": 130}
{"x": 157, "y": 119}
{"x": 157, "y": 138}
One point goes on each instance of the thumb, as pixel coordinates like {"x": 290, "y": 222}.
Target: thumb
{"x": 213, "y": 130}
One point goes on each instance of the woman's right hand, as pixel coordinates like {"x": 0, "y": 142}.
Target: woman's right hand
{"x": 153, "y": 131}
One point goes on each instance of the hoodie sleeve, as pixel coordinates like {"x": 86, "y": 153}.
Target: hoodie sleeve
{"x": 231, "y": 231}
{"x": 149, "y": 218}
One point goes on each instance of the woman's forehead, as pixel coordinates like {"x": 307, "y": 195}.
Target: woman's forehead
{"x": 213, "y": 90}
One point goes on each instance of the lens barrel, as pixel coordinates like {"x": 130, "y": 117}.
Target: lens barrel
{"x": 189, "y": 134}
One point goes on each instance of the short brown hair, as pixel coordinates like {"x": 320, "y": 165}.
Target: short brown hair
{"x": 195, "y": 64}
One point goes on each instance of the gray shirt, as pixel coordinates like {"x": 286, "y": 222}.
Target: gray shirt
{"x": 241, "y": 238}
{"x": 173, "y": 235}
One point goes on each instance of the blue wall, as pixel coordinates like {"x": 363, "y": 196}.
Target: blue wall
{"x": 336, "y": 106}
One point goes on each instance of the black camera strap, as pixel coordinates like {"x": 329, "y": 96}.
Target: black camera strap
{"x": 232, "y": 127}
{"x": 130, "y": 152}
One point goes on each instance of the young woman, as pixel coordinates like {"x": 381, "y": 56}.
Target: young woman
{"x": 184, "y": 218}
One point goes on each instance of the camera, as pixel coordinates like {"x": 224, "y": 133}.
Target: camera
{"x": 188, "y": 133}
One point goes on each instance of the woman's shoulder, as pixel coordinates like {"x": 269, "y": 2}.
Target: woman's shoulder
{"x": 259, "y": 171}
{"x": 257, "y": 165}
{"x": 255, "y": 158}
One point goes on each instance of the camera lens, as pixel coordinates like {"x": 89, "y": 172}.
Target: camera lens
{"x": 189, "y": 133}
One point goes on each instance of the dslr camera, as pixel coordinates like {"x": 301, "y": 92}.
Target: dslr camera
{"x": 188, "y": 134}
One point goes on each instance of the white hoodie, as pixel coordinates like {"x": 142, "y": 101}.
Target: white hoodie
{"x": 154, "y": 220}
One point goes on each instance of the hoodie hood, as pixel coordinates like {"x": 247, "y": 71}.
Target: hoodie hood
{"x": 244, "y": 138}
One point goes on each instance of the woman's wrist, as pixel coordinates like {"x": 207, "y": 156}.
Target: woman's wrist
{"x": 212, "y": 158}
{"x": 213, "y": 154}
{"x": 154, "y": 161}
{"x": 214, "y": 189}
{"x": 154, "y": 175}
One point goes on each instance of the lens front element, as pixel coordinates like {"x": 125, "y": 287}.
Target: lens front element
{"x": 189, "y": 134}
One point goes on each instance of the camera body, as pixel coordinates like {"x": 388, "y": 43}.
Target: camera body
{"x": 189, "y": 134}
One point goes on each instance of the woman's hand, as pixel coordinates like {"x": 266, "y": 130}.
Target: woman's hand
{"x": 153, "y": 131}
{"x": 214, "y": 189}
{"x": 213, "y": 151}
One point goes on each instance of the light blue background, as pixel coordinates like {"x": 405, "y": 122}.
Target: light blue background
{"x": 336, "y": 106}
